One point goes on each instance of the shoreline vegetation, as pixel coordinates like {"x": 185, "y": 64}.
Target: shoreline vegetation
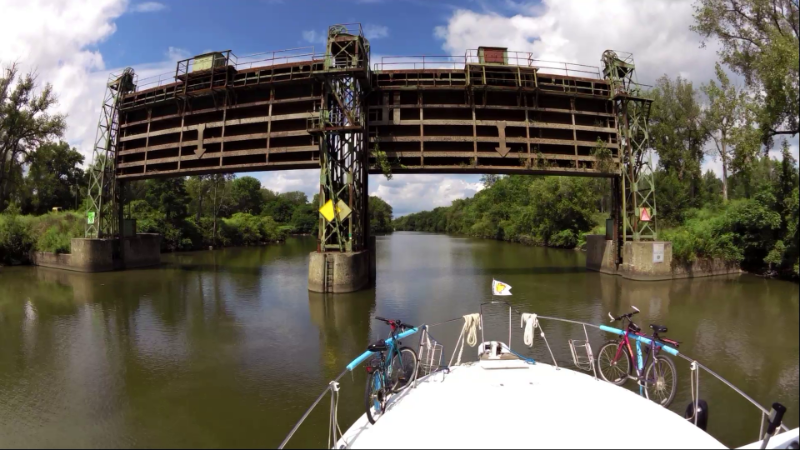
{"x": 192, "y": 213}
{"x": 759, "y": 232}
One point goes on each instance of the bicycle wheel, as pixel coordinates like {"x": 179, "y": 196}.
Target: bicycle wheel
{"x": 374, "y": 397}
{"x": 403, "y": 370}
{"x": 615, "y": 372}
{"x": 661, "y": 380}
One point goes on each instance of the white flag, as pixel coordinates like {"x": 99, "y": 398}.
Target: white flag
{"x": 500, "y": 288}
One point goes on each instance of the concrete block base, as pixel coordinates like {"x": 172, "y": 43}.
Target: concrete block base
{"x": 340, "y": 272}
{"x": 99, "y": 255}
{"x": 638, "y": 262}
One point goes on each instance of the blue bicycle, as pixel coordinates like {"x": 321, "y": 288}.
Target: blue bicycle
{"x": 391, "y": 370}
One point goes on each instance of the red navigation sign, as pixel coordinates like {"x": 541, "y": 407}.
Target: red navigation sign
{"x": 644, "y": 214}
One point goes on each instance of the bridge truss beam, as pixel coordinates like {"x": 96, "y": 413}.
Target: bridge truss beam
{"x": 341, "y": 123}
{"x": 632, "y": 108}
{"x": 101, "y": 216}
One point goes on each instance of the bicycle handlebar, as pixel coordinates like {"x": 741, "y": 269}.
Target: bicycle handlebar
{"x": 397, "y": 323}
{"x": 625, "y": 316}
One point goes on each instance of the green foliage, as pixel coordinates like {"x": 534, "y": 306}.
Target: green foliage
{"x": 52, "y": 232}
{"x": 247, "y": 229}
{"x": 55, "y": 231}
{"x": 741, "y": 231}
{"x": 759, "y": 41}
{"x": 676, "y": 128}
{"x": 16, "y": 241}
{"x": 729, "y": 122}
{"x": 26, "y": 122}
{"x": 54, "y": 178}
{"x": 246, "y": 193}
{"x": 553, "y": 211}
{"x": 382, "y": 162}
{"x": 605, "y": 162}
{"x": 380, "y": 215}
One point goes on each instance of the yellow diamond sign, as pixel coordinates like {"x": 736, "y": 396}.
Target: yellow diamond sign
{"x": 327, "y": 210}
{"x": 342, "y": 210}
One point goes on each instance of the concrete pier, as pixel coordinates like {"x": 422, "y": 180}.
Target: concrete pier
{"x": 649, "y": 261}
{"x": 340, "y": 272}
{"x": 102, "y": 255}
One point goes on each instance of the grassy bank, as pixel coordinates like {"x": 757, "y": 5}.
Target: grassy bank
{"x": 52, "y": 232}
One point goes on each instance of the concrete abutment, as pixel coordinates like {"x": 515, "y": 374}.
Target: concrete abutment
{"x": 103, "y": 255}
{"x": 649, "y": 261}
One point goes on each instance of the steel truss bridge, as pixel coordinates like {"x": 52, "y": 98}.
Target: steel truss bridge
{"x": 489, "y": 111}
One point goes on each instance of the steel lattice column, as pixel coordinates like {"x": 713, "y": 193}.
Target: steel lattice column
{"x": 632, "y": 109}
{"x": 341, "y": 125}
{"x": 102, "y": 186}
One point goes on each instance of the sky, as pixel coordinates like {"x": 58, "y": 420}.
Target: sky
{"x": 75, "y": 44}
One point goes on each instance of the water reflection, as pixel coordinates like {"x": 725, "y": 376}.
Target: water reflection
{"x": 228, "y": 348}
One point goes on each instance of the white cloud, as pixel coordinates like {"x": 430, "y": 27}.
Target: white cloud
{"x": 56, "y": 39}
{"x": 177, "y": 54}
{"x": 413, "y": 193}
{"x": 312, "y": 37}
{"x": 372, "y": 31}
{"x": 147, "y": 7}
{"x": 576, "y": 31}
{"x": 306, "y": 181}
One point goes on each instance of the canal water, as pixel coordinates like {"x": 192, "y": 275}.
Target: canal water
{"x": 227, "y": 348}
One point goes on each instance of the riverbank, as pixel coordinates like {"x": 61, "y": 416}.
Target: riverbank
{"x": 22, "y": 237}
{"x": 758, "y": 233}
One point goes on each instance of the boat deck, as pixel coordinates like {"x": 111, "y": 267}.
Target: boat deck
{"x": 506, "y": 404}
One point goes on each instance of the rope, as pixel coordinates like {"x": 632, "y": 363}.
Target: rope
{"x": 530, "y": 323}
{"x": 333, "y": 424}
{"x": 472, "y": 322}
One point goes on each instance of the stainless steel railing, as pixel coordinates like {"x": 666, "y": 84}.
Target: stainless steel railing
{"x": 333, "y": 386}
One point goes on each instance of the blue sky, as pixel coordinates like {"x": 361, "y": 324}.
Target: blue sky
{"x": 74, "y": 44}
{"x": 259, "y": 25}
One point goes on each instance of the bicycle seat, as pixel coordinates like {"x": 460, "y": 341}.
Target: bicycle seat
{"x": 658, "y": 328}
{"x": 377, "y": 346}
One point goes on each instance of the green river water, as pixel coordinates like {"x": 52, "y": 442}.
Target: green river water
{"x": 228, "y": 348}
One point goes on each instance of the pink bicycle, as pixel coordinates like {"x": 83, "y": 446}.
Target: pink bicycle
{"x": 659, "y": 381}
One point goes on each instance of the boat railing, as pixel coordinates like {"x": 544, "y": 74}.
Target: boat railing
{"x": 694, "y": 366}
{"x": 432, "y": 352}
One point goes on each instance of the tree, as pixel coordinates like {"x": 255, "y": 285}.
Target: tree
{"x": 725, "y": 116}
{"x": 25, "y": 123}
{"x": 380, "y": 215}
{"x": 760, "y": 42}
{"x": 222, "y": 198}
{"x": 199, "y": 188}
{"x": 678, "y": 135}
{"x": 53, "y": 175}
{"x": 489, "y": 179}
{"x": 246, "y": 192}
{"x": 168, "y": 195}
{"x": 676, "y": 127}
{"x": 787, "y": 183}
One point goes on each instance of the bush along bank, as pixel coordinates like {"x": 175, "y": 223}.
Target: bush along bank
{"x": 190, "y": 213}
{"x": 759, "y": 232}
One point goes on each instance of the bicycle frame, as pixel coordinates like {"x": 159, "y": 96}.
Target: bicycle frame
{"x": 393, "y": 347}
{"x": 640, "y": 363}
{"x": 640, "y": 338}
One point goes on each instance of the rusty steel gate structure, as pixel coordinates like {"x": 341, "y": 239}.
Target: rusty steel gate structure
{"x": 489, "y": 111}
